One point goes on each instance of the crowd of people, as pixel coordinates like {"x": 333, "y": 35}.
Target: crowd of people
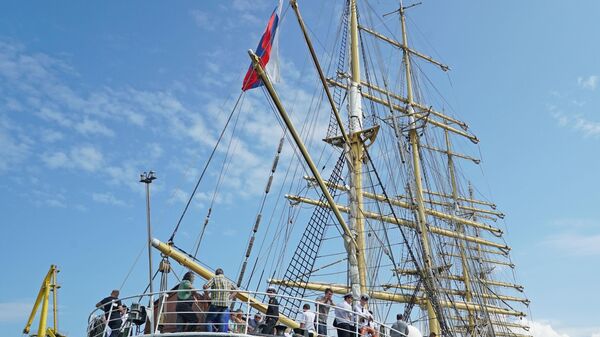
{"x": 350, "y": 320}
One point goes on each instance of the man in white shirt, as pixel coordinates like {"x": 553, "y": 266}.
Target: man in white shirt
{"x": 344, "y": 317}
{"x": 365, "y": 318}
{"x": 307, "y": 320}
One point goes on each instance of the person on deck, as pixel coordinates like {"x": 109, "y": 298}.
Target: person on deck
{"x": 125, "y": 325}
{"x": 255, "y": 322}
{"x": 344, "y": 317}
{"x": 186, "y": 317}
{"x": 237, "y": 324}
{"x": 365, "y": 318}
{"x": 372, "y": 328}
{"x": 110, "y": 305}
{"x": 221, "y": 293}
{"x": 399, "y": 328}
{"x": 307, "y": 320}
{"x": 324, "y": 303}
{"x": 272, "y": 312}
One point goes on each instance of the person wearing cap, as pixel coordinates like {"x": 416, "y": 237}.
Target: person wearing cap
{"x": 255, "y": 322}
{"x": 400, "y": 327}
{"x": 272, "y": 315}
{"x": 324, "y": 303}
{"x": 221, "y": 293}
{"x": 365, "y": 317}
{"x": 344, "y": 317}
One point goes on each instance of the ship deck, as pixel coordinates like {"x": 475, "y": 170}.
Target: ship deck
{"x": 138, "y": 319}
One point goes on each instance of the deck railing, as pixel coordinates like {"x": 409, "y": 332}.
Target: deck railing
{"x": 170, "y": 321}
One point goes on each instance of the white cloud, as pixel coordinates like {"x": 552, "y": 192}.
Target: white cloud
{"x": 52, "y": 115}
{"x": 590, "y": 82}
{"x": 125, "y": 174}
{"x": 43, "y": 198}
{"x": 178, "y": 196}
{"x": 75, "y": 116}
{"x": 539, "y": 329}
{"x": 56, "y": 159}
{"x": 51, "y": 136}
{"x": 90, "y": 127}
{"x": 588, "y": 127}
{"x": 251, "y": 18}
{"x": 14, "y": 145}
{"x": 85, "y": 157}
{"x": 578, "y": 122}
{"x": 544, "y": 328}
{"x": 108, "y": 198}
{"x": 15, "y": 312}
{"x": 55, "y": 203}
{"x": 575, "y": 244}
{"x": 246, "y": 6}
{"x": 203, "y": 20}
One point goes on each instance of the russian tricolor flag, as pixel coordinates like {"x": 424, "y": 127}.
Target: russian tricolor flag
{"x": 266, "y": 50}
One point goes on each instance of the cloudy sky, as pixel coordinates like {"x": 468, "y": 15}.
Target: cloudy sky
{"x": 92, "y": 94}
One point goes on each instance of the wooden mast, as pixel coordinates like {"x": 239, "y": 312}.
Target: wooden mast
{"x": 461, "y": 229}
{"x": 434, "y": 325}
{"x": 356, "y": 257}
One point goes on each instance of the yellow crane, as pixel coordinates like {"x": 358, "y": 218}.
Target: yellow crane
{"x": 48, "y": 285}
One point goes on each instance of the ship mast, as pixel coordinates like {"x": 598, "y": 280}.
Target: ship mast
{"x": 416, "y": 159}
{"x": 357, "y": 270}
{"x": 461, "y": 229}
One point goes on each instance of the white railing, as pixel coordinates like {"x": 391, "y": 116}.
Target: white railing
{"x": 193, "y": 317}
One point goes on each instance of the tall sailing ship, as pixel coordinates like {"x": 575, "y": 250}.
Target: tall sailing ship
{"x": 381, "y": 207}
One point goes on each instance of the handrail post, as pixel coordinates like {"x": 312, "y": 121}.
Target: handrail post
{"x": 163, "y": 298}
{"x": 109, "y": 315}
{"x": 356, "y": 318}
{"x": 247, "y": 317}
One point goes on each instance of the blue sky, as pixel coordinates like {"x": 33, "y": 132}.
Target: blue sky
{"x": 92, "y": 94}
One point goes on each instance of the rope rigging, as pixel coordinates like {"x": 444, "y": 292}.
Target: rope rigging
{"x": 187, "y": 205}
{"x": 259, "y": 214}
{"x": 222, "y": 172}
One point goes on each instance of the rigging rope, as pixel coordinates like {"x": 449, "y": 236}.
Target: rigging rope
{"x": 429, "y": 288}
{"x": 224, "y": 169}
{"x": 187, "y": 205}
{"x": 259, "y": 215}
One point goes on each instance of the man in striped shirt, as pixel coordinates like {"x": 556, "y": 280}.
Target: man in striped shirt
{"x": 221, "y": 292}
